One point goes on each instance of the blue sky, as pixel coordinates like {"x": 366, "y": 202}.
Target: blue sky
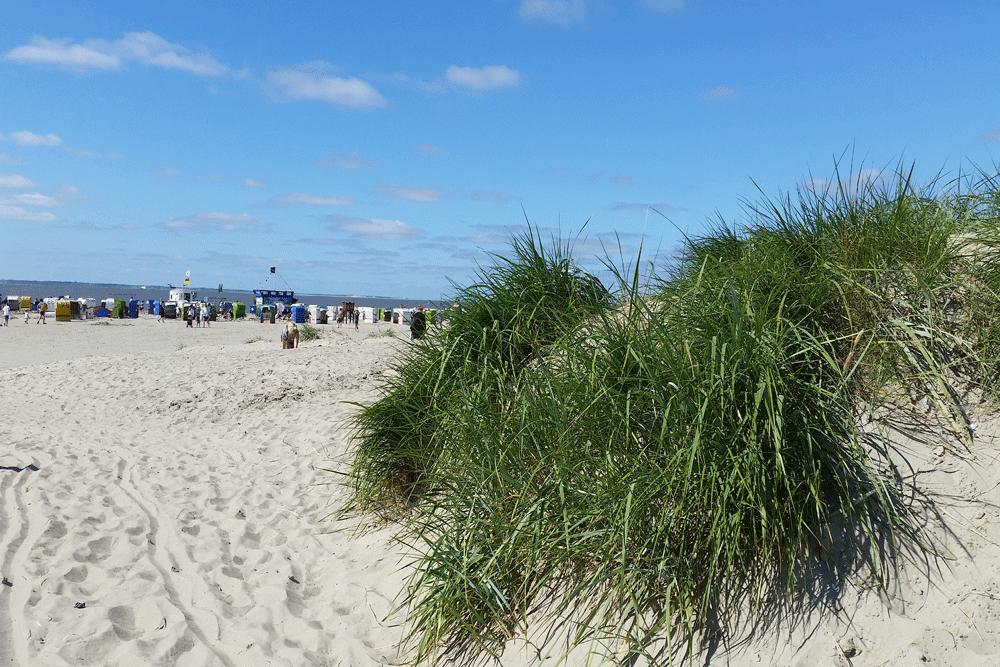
{"x": 385, "y": 148}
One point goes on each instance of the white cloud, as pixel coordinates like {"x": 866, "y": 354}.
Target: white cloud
{"x": 10, "y": 159}
{"x": 167, "y": 172}
{"x": 146, "y": 48}
{"x": 25, "y": 138}
{"x": 251, "y": 183}
{"x": 375, "y": 228}
{"x": 426, "y": 195}
{"x": 226, "y": 222}
{"x": 560, "y": 12}
{"x": 663, "y": 6}
{"x": 482, "y": 78}
{"x": 304, "y": 199}
{"x": 314, "y": 81}
{"x": 720, "y": 93}
{"x": 15, "y": 181}
{"x": 347, "y": 161}
{"x": 18, "y": 213}
{"x": 29, "y": 199}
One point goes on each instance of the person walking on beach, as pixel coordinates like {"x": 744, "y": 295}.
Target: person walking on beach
{"x": 6, "y": 314}
{"x": 26, "y": 314}
{"x": 418, "y": 323}
{"x": 205, "y": 312}
{"x": 42, "y": 309}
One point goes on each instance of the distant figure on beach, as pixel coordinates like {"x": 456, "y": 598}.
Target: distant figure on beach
{"x": 6, "y": 314}
{"x": 189, "y": 316}
{"x": 26, "y": 314}
{"x": 205, "y": 313}
{"x": 418, "y": 323}
{"x": 290, "y": 336}
{"x": 42, "y": 309}
{"x": 357, "y": 318}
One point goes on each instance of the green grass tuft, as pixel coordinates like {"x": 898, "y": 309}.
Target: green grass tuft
{"x": 308, "y": 332}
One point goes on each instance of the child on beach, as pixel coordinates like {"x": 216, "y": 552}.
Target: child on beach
{"x": 290, "y": 336}
{"x": 6, "y": 314}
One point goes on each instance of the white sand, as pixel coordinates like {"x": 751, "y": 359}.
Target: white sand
{"x": 179, "y": 495}
{"x": 171, "y": 481}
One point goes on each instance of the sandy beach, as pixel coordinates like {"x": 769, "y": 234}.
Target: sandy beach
{"x": 165, "y": 499}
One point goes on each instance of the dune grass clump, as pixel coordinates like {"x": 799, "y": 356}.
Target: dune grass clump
{"x": 637, "y": 465}
{"x": 308, "y": 332}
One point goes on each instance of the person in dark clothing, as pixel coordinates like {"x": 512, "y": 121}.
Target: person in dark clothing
{"x": 418, "y": 323}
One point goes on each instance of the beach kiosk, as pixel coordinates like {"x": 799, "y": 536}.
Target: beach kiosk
{"x": 279, "y": 299}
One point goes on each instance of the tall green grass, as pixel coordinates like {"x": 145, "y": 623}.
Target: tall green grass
{"x": 641, "y": 464}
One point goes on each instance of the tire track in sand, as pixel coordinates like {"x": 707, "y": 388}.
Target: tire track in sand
{"x": 181, "y": 597}
{"x": 16, "y": 590}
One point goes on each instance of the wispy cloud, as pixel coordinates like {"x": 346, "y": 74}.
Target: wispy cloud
{"x": 482, "y": 78}
{"x": 430, "y": 149}
{"x": 15, "y": 181}
{"x": 304, "y": 199}
{"x": 852, "y": 184}
{"x": 470, "y": 80}
{"x": 22, "y": 214}
{"x": 560, "y": 12}
{"x": 990, "y": 137}
{"x": 213, "y": 220}
{"x": 489, "y": 196}
{"x": 29, "y": 199}
{"x": 621, "y": 180}
{"x": 25, "y": 138}
{"x": 68, "y": 193}
{"x": 145, "y": 48}
{"x": 662, "y": 207}
{"x": 318, "y": 81}
{"x": 720, "y": 93}
{"x": 167, "y": 172}
{"x": 663, "y": 6}
{"x": 10, "y": 159}
{"x": 251, "y": 183}
{"x": 374, "y": 228}
{"x": 347, "y": 162}
{"x": 426, "y": 195}
{"x": 86, "y": 152}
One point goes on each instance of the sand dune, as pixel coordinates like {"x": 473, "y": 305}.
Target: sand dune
{"x": 164, "y": 501}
